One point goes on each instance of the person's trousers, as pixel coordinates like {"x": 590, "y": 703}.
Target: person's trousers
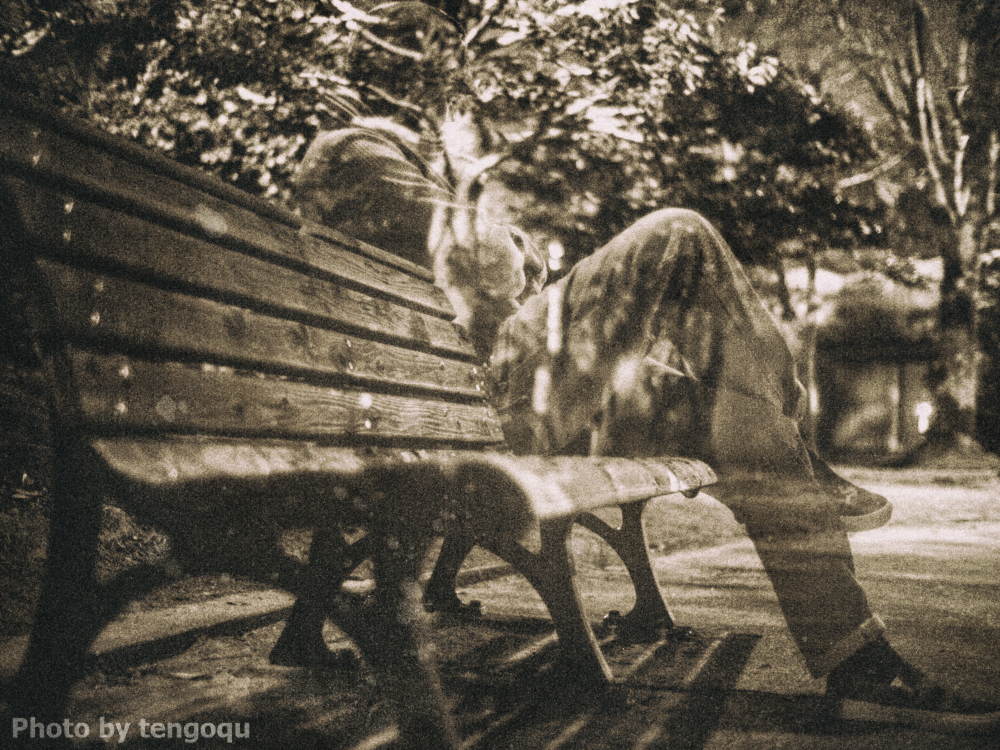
{"x": 658, "y": 345}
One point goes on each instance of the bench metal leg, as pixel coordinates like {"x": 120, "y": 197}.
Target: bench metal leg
{"x": 389, "y": 626}
{"x": 552, "y": 572}
{"x": 439, "y": 594}
{"x": 650, "y": 613}
{"x": 301, "y": 642}
{"x": 390, "y": 629}
{"x": 69, "y": 614}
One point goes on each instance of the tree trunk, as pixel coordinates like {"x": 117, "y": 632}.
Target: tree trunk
{"x": 809, "y": 337}
{"x": 955, "y": 376}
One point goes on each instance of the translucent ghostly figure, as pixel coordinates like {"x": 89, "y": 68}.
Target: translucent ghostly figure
{"x": 486, "y": 265}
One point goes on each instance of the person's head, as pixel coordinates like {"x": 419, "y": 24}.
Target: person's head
{"x": 368, "y": 182}
{"x": 430, "y": 201}
{"x": 431, "y": 178}
{"x": 485, "y": 263}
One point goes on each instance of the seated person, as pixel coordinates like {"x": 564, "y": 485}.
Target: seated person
{"x": 658, "y": 345}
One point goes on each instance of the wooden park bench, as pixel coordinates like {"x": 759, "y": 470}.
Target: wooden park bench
{"x": 213, "y": 363}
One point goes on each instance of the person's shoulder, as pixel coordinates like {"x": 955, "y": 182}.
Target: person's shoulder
{"x": 335, "y": 145}
{"x": 361, "y": 145}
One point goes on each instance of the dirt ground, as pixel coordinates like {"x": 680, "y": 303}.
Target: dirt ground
{"x": 218, "y": 676}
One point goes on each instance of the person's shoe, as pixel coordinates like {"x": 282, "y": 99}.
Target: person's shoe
{"x": 859, "y": 509}
{"x": 910, "y": 698}
{"x": 927, "y": 705}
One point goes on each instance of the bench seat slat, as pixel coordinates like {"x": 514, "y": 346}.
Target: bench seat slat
{"x": 119, "y": 392}
{"x": 160, "y": 461}
{"x": 316, "y": 483}
{"x": 564, "y": 485}
{"x": 104, "y": 177}
{"x": 132, "y": 316}
{"x": 549, "y": 488}
{"x": 135, "y": 247}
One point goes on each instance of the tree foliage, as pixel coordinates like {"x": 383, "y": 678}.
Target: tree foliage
{"x": 238, "y": 87}
{"x": 929, "y": 71}
{"x": 609, "y": 108}
{"x": 629, "y": 107}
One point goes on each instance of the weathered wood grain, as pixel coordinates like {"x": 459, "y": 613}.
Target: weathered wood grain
{"x": 83, "y": 232}
{"x": 124, "y": 393}
{"x": 136, "y": 317}
{"x": 105, "y": 178}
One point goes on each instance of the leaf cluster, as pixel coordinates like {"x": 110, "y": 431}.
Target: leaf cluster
{"x": 238, "y": 87}
{"x": 628, "y": 106}
{"x": 610, "y": 108}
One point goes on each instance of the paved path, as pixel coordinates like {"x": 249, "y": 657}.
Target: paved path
{"x": 933, "y": 574}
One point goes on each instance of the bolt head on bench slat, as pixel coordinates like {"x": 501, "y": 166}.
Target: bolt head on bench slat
{"x": 119, "y": 393}
{"x": 121, "y": 314}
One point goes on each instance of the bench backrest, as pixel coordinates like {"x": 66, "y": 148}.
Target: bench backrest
{"x": 182, "y": 307}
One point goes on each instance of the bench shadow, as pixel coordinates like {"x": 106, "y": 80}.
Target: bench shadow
{"x": 677, "y": 699}
{"x": 506, "y": 687}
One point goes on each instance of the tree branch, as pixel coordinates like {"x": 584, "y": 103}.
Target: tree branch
{"x": 935, "y": 42}
{"x": 991, "y": 184}
{"x": 394, "y": 101}
{"x": 934, "y": 119}
{"x": 894, "y": 99}
{"x": 396, "y": 50}
{"x": 925, "y": 143}
{"x": 953, "y": 113}
{"x": 908, "y": 72}
{"x": 962, "y": 194}
{"x": 925, "y": 96}
{"x": 916, "y": 62}
{"x": 863, "y": 177}
{"x": 881, "y": 83}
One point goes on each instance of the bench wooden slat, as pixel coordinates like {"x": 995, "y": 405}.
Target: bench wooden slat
{"x": 29, "y": 114}
{"x": 319, "y": 475}
{"x": 564, "y": 485}
{"x": 132, "y": 245}
{"x": 365, "y": 264}
{"x": 119, "y": 392}
{"x": 103, "y": 178}
{"x": 588, "y": 482}
{"x": 134, "y": 316}
{"x": 523, "y": 486}
{"x": 159, "y": 462}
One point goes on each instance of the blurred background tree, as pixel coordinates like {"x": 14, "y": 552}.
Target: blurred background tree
{"x": 924, "y": 75}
